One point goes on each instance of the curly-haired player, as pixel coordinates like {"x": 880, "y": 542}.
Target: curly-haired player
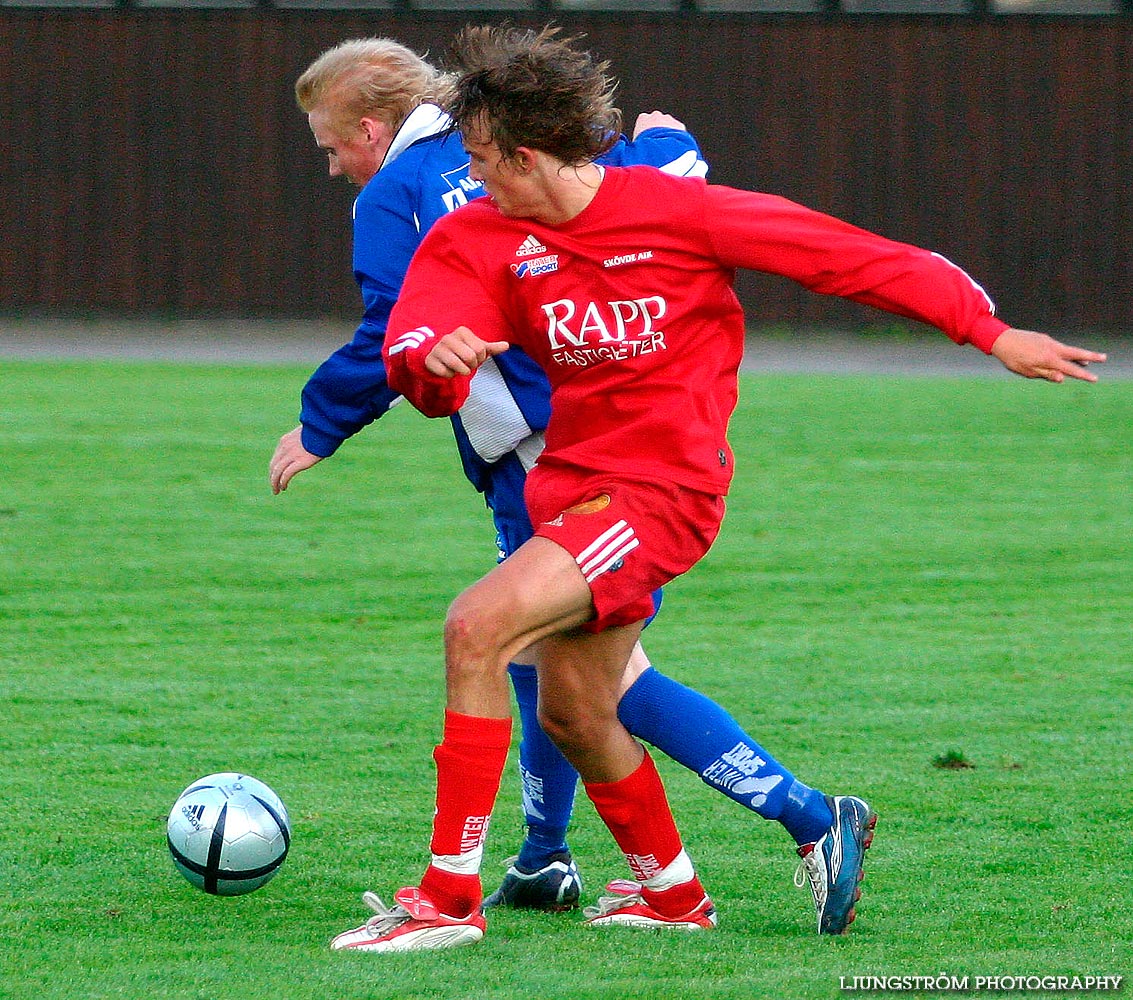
{"x": 629, "y": 308}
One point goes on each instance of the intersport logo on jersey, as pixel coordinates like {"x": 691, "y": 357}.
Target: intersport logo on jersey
{"x": 587, "y": 333}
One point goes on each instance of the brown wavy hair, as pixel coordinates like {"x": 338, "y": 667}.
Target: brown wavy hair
{"x": 521, "y": 87}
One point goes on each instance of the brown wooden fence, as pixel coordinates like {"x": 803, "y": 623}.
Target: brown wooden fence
{"x": 154, "y": 160}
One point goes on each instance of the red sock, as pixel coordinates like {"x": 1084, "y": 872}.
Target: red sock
{"x": 470, "y": 762}
{"x": 637, "y": 812}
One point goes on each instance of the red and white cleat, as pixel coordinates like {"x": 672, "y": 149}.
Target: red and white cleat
{"x": 413, "y": 923}
{"x": 629, "y": 909}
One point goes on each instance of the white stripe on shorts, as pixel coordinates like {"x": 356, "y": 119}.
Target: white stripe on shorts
{"x": 610, "y": 546}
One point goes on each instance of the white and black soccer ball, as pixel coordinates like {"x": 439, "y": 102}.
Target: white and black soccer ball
{"x": 228, "y": 833}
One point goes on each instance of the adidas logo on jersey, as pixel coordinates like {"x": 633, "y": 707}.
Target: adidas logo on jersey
{"x": 530, "y": 247}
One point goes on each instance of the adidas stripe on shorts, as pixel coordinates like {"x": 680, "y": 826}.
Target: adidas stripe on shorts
{"x": 629, "y": 538}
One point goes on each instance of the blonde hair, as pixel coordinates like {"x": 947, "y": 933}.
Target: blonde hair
{"x": 369, "y": 77}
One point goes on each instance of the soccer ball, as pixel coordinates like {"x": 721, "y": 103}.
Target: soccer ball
{"x": 228, "y": 833}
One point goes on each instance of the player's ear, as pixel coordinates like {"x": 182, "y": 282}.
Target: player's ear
{"x": 523, "y": 160}
{"x": 374, "y": 130}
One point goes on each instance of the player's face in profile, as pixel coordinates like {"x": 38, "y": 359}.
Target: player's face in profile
{"x": 354, "y": 153}
{"x": 506, "y": 183}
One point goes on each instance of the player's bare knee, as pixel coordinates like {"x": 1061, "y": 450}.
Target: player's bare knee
{"x": 557, "y": 727}
{"x": 470, "y": 635}
{"x": 574, "y": 732}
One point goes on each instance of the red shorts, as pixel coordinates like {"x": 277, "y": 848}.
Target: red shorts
{"x": 628, "y": 537}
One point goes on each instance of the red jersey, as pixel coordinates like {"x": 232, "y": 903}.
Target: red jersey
{"x": 629, "y": 309}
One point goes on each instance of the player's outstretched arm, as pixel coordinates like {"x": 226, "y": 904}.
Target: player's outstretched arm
{"x": 1037, "y": 355}
{"x": 290, "y": 458}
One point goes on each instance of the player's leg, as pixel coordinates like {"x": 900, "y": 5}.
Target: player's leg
{"x": 543, "y": 874}
{"x": 580, "y": 675}
{"x": 699, "y": 733}
{"x": 537, "y": 592}
{"x": 832, "y": 833}
{"x": 628, "y": 539}
{"x": 534, "y": 593}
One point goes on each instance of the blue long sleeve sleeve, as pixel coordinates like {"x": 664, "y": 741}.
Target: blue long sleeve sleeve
{"x": 349, "y": 390}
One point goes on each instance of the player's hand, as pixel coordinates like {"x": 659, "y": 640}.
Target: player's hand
{"x": 290, "y": 458}
{"x": 461, "y": 353}
{"x": 1036, "y": 355}
{"x": 655, "y": 119}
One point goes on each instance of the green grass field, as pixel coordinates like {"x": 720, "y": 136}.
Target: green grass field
{"x": 912, "y": 570}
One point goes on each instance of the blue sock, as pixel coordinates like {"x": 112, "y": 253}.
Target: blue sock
{"x": 698, "y": 733}
{"x": 548, "y": 779}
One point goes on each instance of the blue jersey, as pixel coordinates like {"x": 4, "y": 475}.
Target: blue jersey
{"x": 499, "y": 430}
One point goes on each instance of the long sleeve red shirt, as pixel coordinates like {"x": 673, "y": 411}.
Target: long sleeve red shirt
{"x": 630, "y": 310}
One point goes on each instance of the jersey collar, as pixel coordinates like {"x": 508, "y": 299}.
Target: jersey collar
{"x": 424, "y": 121}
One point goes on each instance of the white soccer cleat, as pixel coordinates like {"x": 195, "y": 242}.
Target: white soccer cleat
{"x": 630, "y": 910}
{"x": 413, "y": 923}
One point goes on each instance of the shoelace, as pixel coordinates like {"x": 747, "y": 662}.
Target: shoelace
{"x": 811, "y": 868}
{"x": 609, "y": 904}
{"x": 385, "y": 918}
